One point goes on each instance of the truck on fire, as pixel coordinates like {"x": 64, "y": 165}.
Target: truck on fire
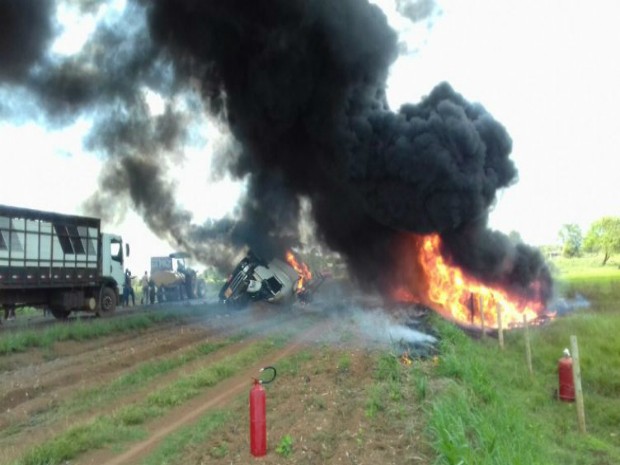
{"x": 276, "y": 282}
{"x": 58, "y": 262}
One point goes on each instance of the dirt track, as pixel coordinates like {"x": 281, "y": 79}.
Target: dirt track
{"x": 320, "y": 404}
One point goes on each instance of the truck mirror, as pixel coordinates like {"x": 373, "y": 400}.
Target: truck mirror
{"x": 126, "y": 250}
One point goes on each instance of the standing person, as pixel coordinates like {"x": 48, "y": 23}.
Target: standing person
{"x": 125, "y": 296}
{"x": 128, "y": 289}
{"x": 144, "y": 284}
{"x": 152, "y": 290}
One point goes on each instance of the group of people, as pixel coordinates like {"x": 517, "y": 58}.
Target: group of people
{"x": 148, "y": 289}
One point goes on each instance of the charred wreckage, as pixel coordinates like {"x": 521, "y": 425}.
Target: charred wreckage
{"x": 276, "y": 281}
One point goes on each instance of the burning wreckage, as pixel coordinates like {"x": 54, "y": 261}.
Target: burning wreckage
{"x": 254, "y": 279}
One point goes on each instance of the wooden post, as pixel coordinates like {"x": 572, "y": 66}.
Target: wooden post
{"x": 500, "y": 329}
{"x": 581, "y": 416}
{"x": 528, "y": 349}
{"x": 481, "y": 308}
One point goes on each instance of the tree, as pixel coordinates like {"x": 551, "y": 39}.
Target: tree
{"x": 571, "y": 237}
{"x": 604, "y": 236}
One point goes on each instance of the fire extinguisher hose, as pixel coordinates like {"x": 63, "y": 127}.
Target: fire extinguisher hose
{"x": 272, "y": 378}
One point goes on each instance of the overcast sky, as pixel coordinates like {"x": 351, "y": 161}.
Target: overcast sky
{"x": 546, "y": 69}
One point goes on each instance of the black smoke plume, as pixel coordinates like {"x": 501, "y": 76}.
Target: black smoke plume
{"x": 301, "y": 85}
{"x": 26, "y": 28}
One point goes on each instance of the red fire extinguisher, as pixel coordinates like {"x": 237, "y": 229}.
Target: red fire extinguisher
{"x": 566, "y": 392}
{"x": 258, "y": 417}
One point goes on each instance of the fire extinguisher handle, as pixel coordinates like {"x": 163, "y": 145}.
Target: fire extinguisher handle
{"x": 272, "y": 378}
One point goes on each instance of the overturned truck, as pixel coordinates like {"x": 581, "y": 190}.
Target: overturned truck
{"x": 277, "y": 282}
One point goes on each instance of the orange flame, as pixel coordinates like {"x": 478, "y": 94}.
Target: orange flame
{"x": 457, "y": 296}
{"x": 305, "y": 275}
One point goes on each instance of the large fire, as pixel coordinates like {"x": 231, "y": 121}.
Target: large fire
{"x": 457, "y": 296}
{"x": 305, "y": 275}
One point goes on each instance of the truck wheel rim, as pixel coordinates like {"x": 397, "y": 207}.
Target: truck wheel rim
{"x": 106, "y": 304}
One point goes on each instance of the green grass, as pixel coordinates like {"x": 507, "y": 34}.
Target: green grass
{"x": 587, "y": 264}
{"x": 105, "y": 430}
{"x": 587, "y": 277}
{"x": 285, "y": 446}
{"x": 473, "y": 419}
{"x": 23, "y": 339}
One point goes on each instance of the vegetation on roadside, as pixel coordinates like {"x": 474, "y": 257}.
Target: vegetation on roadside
{"x": 20, "y": 340}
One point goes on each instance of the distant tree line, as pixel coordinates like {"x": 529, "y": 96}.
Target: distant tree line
{"x": 603, "y": 236}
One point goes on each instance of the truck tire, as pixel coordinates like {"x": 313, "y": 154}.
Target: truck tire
{"x": 107, "y": 304}
{"x": 201, "y": 289}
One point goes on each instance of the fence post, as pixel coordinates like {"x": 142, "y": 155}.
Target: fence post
{"x": 528, "y": 349}
{"x": 500, "y": 328}
{"x": 481, "y": 308}
{"x": 581, "y": 416}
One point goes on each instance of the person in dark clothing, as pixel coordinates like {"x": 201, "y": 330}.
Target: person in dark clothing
{"x": 152, "y": 291}
{"x": 128, "y": 289}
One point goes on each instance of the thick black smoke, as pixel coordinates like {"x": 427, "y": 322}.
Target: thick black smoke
{"x": 301, "y": 85}
{"x": 25, "y": 31}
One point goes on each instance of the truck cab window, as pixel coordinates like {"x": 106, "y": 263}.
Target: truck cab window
{"x": 116, "y": 250}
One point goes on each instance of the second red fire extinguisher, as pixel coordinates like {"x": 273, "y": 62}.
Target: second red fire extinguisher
{"x": 566, "y": 390}
{"x": 258, "y": 415}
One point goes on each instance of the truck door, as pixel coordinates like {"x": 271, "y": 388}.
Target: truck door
{"x": 112, "y": 259}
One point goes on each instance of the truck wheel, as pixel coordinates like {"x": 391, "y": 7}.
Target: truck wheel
{"x": 201, "y": 290}
{"x": 107, "y": 305}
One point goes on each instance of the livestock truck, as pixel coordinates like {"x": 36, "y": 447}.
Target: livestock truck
{"x": 62, "y": 263}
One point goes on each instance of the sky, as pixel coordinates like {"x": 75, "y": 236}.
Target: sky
{"x": 547, "y": 70}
